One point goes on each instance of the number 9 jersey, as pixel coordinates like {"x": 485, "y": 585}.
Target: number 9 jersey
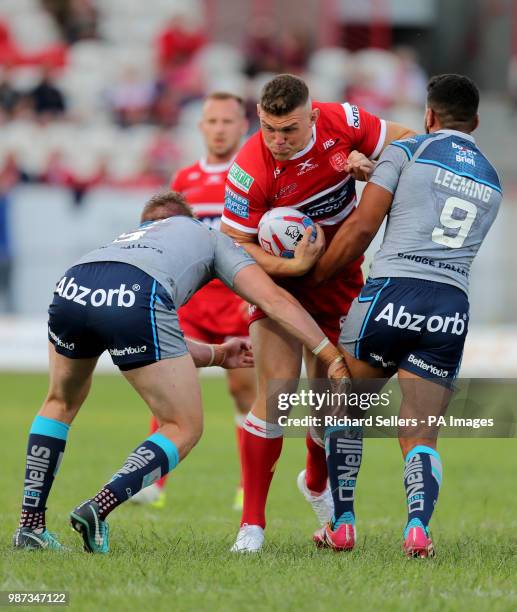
{"x": 446, "y": 197}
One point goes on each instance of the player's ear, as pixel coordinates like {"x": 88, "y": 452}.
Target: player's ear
{"x": 315, "y": 113}
{"x": 258, "y": 110}
{"x": 476, "y": 123}
{"x": 428, "y": 119}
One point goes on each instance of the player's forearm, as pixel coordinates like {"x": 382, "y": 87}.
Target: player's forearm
{"x": 205, "y": 355}
{"x": 276, "y": 267}
{"x": 348, "y": 244}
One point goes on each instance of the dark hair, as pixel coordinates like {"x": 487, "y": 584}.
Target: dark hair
{"x": 165, "y": 205}
{"x": 283, "y": 94}
{"x": 455, "y": 100}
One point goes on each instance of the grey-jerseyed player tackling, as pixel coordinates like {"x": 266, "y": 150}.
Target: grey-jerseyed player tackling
{"x": 123, "y": 298}
{"x": 440, "y": 195}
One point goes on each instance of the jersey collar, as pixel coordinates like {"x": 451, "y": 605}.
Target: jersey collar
{"x": 458, "y": 133}
{"x": 214, "y": 168}
{"x": 304, "y": 151}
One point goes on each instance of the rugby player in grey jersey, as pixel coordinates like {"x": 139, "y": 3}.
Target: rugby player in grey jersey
{"x": 123, "y": 298}
{"x": 440, "y": 196}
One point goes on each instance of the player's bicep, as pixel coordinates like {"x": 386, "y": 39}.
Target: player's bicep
{"x": 395, "y": 131}
{"x": 389, "y": 167}
{"x": 372, "y": 209}
{"x": 229, "y": 258}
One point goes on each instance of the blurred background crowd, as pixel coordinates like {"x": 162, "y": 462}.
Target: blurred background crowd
{"x": 107, "y": 93}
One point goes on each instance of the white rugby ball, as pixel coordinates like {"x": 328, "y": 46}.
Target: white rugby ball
{"x": 281, "y": 229}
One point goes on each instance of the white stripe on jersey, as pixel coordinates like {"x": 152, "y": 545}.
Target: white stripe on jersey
{"x": 242, "y": 228}
{"x": 380, "y": 142}
{"x": 208, "y": 208}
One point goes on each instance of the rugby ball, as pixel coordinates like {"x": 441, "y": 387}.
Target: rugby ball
{"x": 281, "y": 229}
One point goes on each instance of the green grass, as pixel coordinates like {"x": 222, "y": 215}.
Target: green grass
{"x": 177, "y": 558}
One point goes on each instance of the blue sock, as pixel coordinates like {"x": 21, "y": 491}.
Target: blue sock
{"x": 151, "y": 460}
{"x": 344, "y": 450}
{"x": 47, "y": 440}
{"x": 422, "y": 480}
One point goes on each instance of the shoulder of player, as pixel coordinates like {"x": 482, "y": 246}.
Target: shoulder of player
{"x": 411, "y": 145}
{"x": 184, "y": 175}
{"x": 252, "y": 167}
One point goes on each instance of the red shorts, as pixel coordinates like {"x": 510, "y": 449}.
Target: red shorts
{"x": 213, "y": 314}
{"x": 328, "y": 303}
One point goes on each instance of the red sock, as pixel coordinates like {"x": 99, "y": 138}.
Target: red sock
{"x": 238, "y": 434}
{"x": 259, "y": 457}
{"x": 316, "y": 466}
{"x": 152, "y": 428}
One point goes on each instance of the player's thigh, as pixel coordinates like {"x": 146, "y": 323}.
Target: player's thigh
{"x": 421, "y": 399}
{"x": 171, "y": 389}
{"x": 69, "y": 380}
{"x": 243, "y": 388}
{"x": 278, "y": 359}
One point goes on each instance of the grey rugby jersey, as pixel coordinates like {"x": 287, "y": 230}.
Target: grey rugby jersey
{"x": 446, "y": 195}
{"x": 181, "y": 253}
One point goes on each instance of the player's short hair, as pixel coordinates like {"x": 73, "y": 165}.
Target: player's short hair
{"x": 226, "y": 95}
{"x": 164, "y": 205}
{"x": 455, "y": 100}
{"x": 283, "y": 94}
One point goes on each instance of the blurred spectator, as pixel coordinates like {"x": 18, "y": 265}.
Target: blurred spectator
{"x": 9, "y": 96}
{"x": 131, "y": 98}
{"x": 10, "y": 175}
{"x": 410, "y": 83}
{"x": 178, "y": 42}
{"x": 47, "y": 99}
{"x": 57, "y": 172}
{"x": 295, "y": 48}
{"x": 163, "y": 156}
{"x": 144, "y": 178}
{"x": 9, "y": 53}
{"x": 80, "y": 21}
{"x": 262, "y": 51}
{"x": 77, "y": 19}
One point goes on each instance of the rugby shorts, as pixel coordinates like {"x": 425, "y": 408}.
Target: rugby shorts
{"x": 115, "y": 307}
{"x": 411, "y": 324}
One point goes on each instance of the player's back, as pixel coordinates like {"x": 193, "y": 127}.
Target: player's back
{"x": 180, "y": 252}
{"x": 446, "y": 197}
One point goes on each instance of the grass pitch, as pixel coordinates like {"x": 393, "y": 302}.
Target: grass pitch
{"x": 177, "y": 558}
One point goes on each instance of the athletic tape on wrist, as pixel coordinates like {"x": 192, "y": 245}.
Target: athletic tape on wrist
{"x": 212, "y": 355}
{"x": 321, "y": 346}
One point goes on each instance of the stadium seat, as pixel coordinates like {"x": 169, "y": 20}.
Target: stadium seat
{"x": 216, "y": 59}
{"x": 332, "y": 64}
{"x": 34, "y": 33}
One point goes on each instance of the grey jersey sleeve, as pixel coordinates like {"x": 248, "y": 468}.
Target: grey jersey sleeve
{"x": 229, "y": 258}
{"x": 389, "y": 167}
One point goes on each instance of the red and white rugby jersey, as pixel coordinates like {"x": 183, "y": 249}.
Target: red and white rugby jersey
{"x": 313, "y": 181}
{"x": 202, "y": 184}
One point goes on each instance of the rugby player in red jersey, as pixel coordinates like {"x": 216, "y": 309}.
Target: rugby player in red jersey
{"x": 214, "y": 313}
{"x": 301, "y": 157}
